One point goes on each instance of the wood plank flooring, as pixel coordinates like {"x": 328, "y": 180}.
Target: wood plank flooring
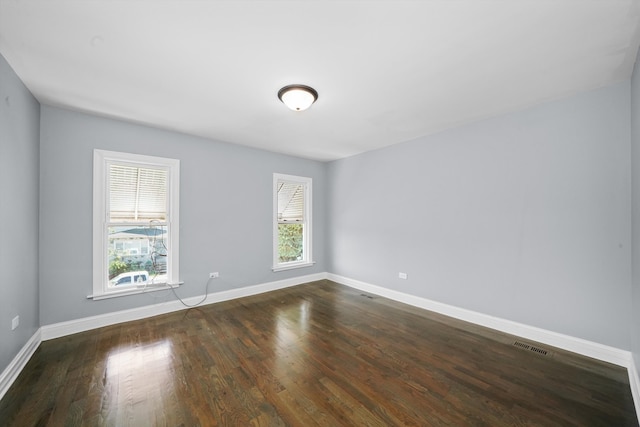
{"x": 318, "y": 354}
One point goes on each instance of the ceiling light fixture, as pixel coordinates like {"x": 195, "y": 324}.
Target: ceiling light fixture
{"x": 298, "y": 97}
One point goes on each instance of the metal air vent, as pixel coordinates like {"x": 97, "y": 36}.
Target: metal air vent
{"x": 530, "y": 347}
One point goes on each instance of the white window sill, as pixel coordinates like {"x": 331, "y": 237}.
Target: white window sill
{"x": 292, "y": 265}
{"x": 142, "y": 289}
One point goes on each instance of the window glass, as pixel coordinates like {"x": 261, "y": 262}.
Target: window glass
{"x": 290, "y": 242}
{"x": 136, "y": 204}
{"x": 292, "y": 222}
{"x": 138, "y": 248}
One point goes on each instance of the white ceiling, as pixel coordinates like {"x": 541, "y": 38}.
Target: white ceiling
{"x": 386, "y": 71}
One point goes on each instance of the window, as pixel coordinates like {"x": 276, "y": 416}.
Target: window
{"x": 135, "y": 223}
{"x": 292, "y": 222}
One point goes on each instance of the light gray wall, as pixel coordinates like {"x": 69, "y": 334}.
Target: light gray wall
{"x": 225, "y": 211}
{"x": 19, "y": 139}
{"x": 635, "y": 156}
{"x": 525, "y": 216}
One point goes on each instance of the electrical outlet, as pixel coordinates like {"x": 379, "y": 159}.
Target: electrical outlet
{"x": 15, "y": 322}
{"x": 214, "y": 275}
{"x": 402, "y": 276}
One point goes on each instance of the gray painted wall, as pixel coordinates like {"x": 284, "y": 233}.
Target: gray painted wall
{"x": 635, "y": 155}
{"x": 19, "y": 139}
{"x": 525, "y": 216}
{"x": 225, "y": 211}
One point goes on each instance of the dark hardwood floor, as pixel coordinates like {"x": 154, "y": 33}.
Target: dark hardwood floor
{"x": 316, "y": 354}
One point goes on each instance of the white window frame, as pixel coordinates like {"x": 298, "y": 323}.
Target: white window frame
{"x": 102, "y": 159}
{"x": 307, "y": 260}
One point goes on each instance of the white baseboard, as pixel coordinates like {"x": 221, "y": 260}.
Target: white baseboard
{"x": 591, "y": 349}
{"x": 56, "y": 330}
{"x": 573, "y": 344}
{"x": 576, "y": 345}
{"x": 587, "y": 348}
{"x": 61, "y": 329}
{"x": 634, "y": 382}
{"x": 18, "y": 363}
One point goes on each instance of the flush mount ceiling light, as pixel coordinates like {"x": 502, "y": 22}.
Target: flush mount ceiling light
{"x": 298, "y": 97}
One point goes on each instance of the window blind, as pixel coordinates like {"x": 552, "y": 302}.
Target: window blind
{"x": 290, "y": 202}
{"x": 137, "y": 194}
